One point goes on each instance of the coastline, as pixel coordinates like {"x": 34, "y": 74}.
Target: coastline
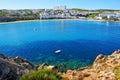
{"x": 55, "y": 19}
{"x": 18, "y": 21}
{"x": 34, "y": 20}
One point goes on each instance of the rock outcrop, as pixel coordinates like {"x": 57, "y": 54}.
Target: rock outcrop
{"x": 13, "y": 68}
{"x": 45, "y": 66}
{"x": 103, "y": 68}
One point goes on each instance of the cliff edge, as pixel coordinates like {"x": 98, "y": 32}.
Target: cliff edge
{"x": 103, "y": 68}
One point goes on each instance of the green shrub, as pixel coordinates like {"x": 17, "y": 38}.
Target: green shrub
{"x": 42, "y": 74}
{"x": 118, "y": 73}
{"x": 105, "y": 18}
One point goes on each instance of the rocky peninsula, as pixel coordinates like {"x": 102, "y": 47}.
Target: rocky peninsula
{"x": 104, "y": 68}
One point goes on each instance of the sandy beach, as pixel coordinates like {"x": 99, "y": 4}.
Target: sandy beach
{"x": 53, "y": 19}
{"x": 18, "y": 21}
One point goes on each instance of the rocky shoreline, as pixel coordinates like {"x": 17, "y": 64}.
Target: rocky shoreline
{"x": 103, "y": 68}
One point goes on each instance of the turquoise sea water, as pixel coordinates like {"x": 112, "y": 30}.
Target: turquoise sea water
{"x": 79, "y": 41}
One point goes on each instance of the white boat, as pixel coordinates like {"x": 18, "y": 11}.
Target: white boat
{"x": 58, "y": 51}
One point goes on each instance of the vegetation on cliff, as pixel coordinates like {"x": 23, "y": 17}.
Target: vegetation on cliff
{"x": 97, "y": 10}
{"x": 42, "y": 74}
{"x": 118, "y": 73}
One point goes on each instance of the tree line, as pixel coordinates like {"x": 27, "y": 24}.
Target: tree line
{"x": 15, "y": 15}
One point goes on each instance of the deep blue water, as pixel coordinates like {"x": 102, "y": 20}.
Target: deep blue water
{"x": 80, "y": 41}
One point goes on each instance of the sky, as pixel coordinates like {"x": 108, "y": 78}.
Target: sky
{"x": 49, "y": 4}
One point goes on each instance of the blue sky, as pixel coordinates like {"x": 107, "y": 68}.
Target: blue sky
{"x": 38, "y": 4}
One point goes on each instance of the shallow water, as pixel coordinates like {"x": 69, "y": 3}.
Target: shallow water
{"x": 79, "y": 41}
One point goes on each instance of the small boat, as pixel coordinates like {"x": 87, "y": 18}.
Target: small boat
{"x": 58, "y": 51}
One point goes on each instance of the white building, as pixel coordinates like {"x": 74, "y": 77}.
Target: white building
{"x": 108, "y": 15}
{"x": 59, "y": 8}
{"x": 118, "y": 15}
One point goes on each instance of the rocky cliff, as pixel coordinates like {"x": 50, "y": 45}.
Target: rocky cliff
{"x": 13, "y": 68}
{"x": 103, "y": 68}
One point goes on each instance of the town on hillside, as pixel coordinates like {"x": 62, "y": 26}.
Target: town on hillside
{"x": 59, "y": 12}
